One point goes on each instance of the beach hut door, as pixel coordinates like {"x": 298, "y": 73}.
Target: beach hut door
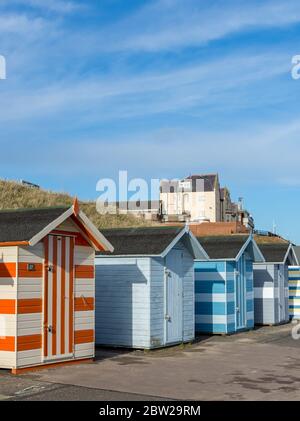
{"x": 174, "y": 297}
{"x": 58, "y": 310}
{"x": 240, "y": 290}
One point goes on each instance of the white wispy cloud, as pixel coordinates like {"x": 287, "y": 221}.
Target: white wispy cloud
{"x": 59, "y": 6}
{"x": 254, "y": 154}
{"x": 167, "y": 25}
{"x": 43, "y": 85}
{"x": 192, "y": 87}
{"x": 20, "y": 24}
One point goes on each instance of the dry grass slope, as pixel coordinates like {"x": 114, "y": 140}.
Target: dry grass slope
{"x": 269, "y": 240}
{"x": 16, "y": 196}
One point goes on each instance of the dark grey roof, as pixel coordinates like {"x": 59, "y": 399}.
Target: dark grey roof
{"x": 275, "y": 252}
{"x": 209, "y": 181}
{"x": 23, "y": 224}
{"x": 297, "y": 252}
{"x": 140, "y": 241}
{"x": 223, "y": 247}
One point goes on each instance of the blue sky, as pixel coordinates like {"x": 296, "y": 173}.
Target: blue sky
{"x": 160, "y": 88}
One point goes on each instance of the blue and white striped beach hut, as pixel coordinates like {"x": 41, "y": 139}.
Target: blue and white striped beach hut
{"x": 224, "y": 284}
{"x": 294, "y": 287}
{"x": 271, "y": 283}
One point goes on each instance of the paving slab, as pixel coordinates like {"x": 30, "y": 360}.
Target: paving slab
{"x": 21, "y": 386}
{"x": 258, "y": 365}
{"x": 77, "y": 393}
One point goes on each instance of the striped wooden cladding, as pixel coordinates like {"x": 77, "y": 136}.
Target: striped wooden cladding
{"x": 46, "y": 310}
{"x": 84, "y": 336}
{"x": 22, "y": 306}
{"x": 58, "y": 317}
{"x": 47, "y": 299}
{"x": 294, "y": 292}
{"x": 30, "y": 305}
{"x": 84, "y": 272}
{"x": 54, "y": 293}
{"x": 84, "y": 303}
{"x": 24, "y": 343}
{"x": 71, "y": 293}
{"x": 63, "y": 288}
{"x": 7, "y": 343}
{"x": 7, "y": 306}
{"x": 24, "y": 272}
{"x": 8, "y": 270}
{"x": 29, "y": 342}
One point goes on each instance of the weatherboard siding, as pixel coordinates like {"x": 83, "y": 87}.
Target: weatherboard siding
{"x": 215, "y": 296}
{"x": 130, "y": 300}
{"x": 22, "y": 289}
{"x": 22, "y": 329}
{"x": 294, "y": 292}
{"x": 230, "y": 296}
{"x": 8, "y": 273}
{"x": 188, "y": 279}
{"x": 249, "y": 292}
{"x": 123, "y": 301}
{"x": 210, "y": 297}
{"x": 157, "y": 302}
{"x": 264, "y": 293}
{"x": 30, "y": 306}
{"x": 157, "y": 298}
{"x": 84, "y": 301}
{"x": 8, "y": 297}
{"x": 286, "y": 283}
{"x": 270, "y": 293}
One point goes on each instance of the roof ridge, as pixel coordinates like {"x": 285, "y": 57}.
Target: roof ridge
{"x": 224, "y": 236}
{"x": 12, "y": 210}
{"x": 203, "y": 175}
{"x": 142, "y": 228}
{"x": 287, "y": 244}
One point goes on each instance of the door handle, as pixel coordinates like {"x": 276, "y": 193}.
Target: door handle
{"x": 167, "y": 317}
{"x": 50, "y": 329}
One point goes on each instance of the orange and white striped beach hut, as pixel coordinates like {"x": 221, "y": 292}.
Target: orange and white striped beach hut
{"x": 47, "y": 286}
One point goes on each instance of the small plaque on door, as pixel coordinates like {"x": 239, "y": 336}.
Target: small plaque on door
{"x": 31, "y": 267}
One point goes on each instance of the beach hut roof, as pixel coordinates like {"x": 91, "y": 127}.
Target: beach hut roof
{"x": 29, "y": 226}
{"x": 230, "y": 247}
{"x": 151, "y": 241}
{"x": 278, "y": 253}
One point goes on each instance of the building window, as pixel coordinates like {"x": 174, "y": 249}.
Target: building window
{"x": 186, "y": 200}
